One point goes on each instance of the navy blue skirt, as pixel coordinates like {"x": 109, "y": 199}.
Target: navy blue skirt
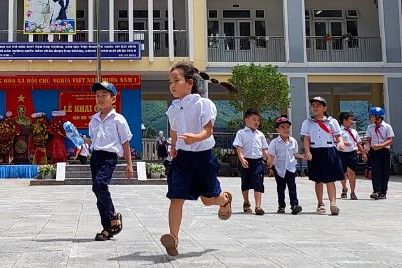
{"x": 325, "y": 166}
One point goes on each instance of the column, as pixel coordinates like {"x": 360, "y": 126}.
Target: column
{"x": 111, "y": 20}
{"x": 190, "y": 16}
{"x": 376, "y": 95}
{"x": 130, "y": 20}
{"x": 393, "y": 107}
{"x": 151, "y": 30}
{"x": 294, "y": 27}
{"x": 299, "y": 103}
{"x": 91, "y": 11}
{"x": 170, "y": 30}
{"x": 390, "y": 26}
{"x": 11, "y": 13}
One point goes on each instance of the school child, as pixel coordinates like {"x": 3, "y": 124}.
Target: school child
{"x": 283, "y": 151}
{"x": 324, "y": 165}
{"x": 109, "y": 138}
{"x": 193, "y": 169}
{"x": 251, "y": 146}
{"x": 380, "y": 136}
{"x": 82, "y": 153}
{"x": 349, "y": 157}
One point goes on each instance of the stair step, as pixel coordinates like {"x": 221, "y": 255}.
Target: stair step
{"x": 116, "y": 181}
{"x": 87, "y": 174}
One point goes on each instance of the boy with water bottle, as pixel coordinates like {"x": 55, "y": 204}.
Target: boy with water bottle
{"x": 109, "y": 138}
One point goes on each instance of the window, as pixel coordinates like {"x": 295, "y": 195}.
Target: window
{"x": 123, "y": 14}
{"x": 352, "y": 14}
{"x": 307, "y": 14}
{"x": 213, "y": 14}
{"x": 260, "y": 14}
{"x": 308, "y": 34}
{"x": 213, "y": 31}
{"x": 80, "y": 14}
{"x": 260, "y": 32}
{"x": 236, "y": 14}
{"x": 318, "y": 13}
{"x": 351, "y": 27}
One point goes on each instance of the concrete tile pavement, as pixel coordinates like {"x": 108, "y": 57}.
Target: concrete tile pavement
{"x": 54, "y": 226}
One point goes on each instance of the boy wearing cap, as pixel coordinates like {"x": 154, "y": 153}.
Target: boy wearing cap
{"x": 251, "y": 146}
{"x": 380, "y": 136}
{"x": 283, "y": 151}
{"x": 110, "y": 137}
{"x": 324, "y": 164}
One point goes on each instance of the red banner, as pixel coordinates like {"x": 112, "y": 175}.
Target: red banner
{"x": 80, "y": 106}
{"x": 19, "y": 102}
{"x": 69, "y": 81}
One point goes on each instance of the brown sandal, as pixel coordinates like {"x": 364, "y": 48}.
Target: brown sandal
{"x": 170, "y": 242}
{"x": 116, "y": 228}
{"x": 104, "y": 235}
{"x": 247, "y": 207}
{"x": 225, "y": 211}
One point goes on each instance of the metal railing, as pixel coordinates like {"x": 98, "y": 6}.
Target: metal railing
{"x": 338, "y": 49}
{"x": 246, "y": 49}
{"x": 161, "y": 40}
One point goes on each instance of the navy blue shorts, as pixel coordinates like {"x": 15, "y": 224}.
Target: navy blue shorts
{"x": 253, "y": 176}
{"x": 326, "y": 166}
{"x": 349, "y": 160}
{"x": 193, "y": 174}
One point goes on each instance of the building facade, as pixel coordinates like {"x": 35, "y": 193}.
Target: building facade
{"x": 346, "y": 51}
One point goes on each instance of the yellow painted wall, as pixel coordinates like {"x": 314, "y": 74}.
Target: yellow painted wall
{"x": 200, "y": 34}
{"x": 346, "y": 79}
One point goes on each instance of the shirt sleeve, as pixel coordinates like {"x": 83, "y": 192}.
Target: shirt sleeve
{"x": 368, "y": 133}
{"x": 264, "y": 142}
{"x": 237, "y": 141}
{"x": 304, "y": 129}
{"x": 171, "y": 116}
{"x": 296, "y": 146}
{"x": 336, "y": 129}
{"x": 123, "y": 130}
{"x": 390, "y": 132}
{"x": 208, "y": 112}
{"x": 271, "y": 147}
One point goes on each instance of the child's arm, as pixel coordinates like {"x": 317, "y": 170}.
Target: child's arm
{"x": 266, "y": 155}
{"x": 379, "y": 146}
{"x": 127, "y": 156}
{"x": 173, "y": 136}
{"x": 300, "y": 156}
{"x": 243, "y": 161}
{"x": 339, "y": 139}
{"x": 77, "y": 152}
{"x": 306, "y": 145}
{"x": 87, "y": 140}
{"x": 190, "y": 138}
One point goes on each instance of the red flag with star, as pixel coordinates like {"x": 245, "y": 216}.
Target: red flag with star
{"x": 19, "y": 102}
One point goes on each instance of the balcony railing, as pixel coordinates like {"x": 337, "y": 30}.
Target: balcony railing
{"x": 161, "y": 40}
{"x": 338, "y": 49}
{"x": 246, "y": 49}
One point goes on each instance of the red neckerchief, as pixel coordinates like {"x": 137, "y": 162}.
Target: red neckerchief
{"x": 350, "y": 133}
{"x": 377, "y": 131}
{"x": 323, "y": 126}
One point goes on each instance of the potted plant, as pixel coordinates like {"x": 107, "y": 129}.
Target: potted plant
{"x": 155, "y": 170}
{"x": 47, "y": 172}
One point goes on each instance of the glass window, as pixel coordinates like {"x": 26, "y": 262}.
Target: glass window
{"x": 157, "y": 14}
{"x": 122, "y": 25}
{"x": 328, "y": 13}
{"x": 260, "y": 14}
{"x": 307, "y": 14}
{"x": 213, "y": 14}
{"x": 123, "y": 14}
{"x": 141, "y": 14}
{"x": 80, "y": 14}
{"x": 351, "y": 27}
{"x": 260, "y": 32}
{"x": 236, "y": 14}
{"x": 308, "y": 34}
{"x": 213, "y": 28}
{"x": 351, "y": 13}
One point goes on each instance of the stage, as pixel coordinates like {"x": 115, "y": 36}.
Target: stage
{"x": 18, "y": 171}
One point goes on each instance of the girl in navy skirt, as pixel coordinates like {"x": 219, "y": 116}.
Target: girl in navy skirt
{"x": 324, "y": 164}
{"x": 193, "y": 169}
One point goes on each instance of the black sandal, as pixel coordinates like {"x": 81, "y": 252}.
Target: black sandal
{"x": 104, "y": 235}
{"x": 115, "y": 229}
{"x": 247, "y": 207}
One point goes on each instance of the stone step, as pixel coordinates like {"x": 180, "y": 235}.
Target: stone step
{"x": 86, "y": 181}
{"x": 87, "y": 174}
{"x": 119, "y": 167}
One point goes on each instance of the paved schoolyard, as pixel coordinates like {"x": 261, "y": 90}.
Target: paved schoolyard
{"x": 54, "y": 226}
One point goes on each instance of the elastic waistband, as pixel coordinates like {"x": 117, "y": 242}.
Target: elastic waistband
{"x": 253, "y": 159}
{"x": 103, "y": 153}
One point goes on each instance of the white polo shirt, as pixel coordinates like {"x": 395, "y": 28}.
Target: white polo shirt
{"x": 252, "y": 142}
{"x": 348, "y": 138}
{"x": 318, "y": 137}
{"x": 284, "y": 153}
{"x": 190, "y": 115}
{"x": 384, "y": 131}
{"x": 110, "y": 133}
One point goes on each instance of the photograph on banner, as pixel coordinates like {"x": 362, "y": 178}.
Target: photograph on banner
{"x": 49, "y": 16}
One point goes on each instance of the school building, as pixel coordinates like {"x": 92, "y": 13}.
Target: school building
{"x": 346, "y": 51}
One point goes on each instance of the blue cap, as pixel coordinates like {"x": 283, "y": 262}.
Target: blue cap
{"x": 105, "y": 85}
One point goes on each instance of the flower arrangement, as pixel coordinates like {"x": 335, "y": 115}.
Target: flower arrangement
{"x": 40, "y": 132}
{"x": 155, "y": 168}
{"x": 57, "y": 26}
{"x": 56, "y": 126}
{"x": 135, "y": 154}
{"x": 47, "y": 172}
{"x": 8, "y": 131}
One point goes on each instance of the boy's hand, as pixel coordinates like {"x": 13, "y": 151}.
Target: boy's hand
{"x": 341, "y": 146}
{"x": 129, "y": 171}
{"x": 173, "y": 152}
{"x": 347, "y": 144}
{"x": 308, "y": 156}
{"x": 244, "y": 163}
{"x": 376, "y": 147}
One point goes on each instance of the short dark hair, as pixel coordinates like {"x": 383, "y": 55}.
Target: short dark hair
{"x": 250, "y": 112}
{"x": 344, "y": 116}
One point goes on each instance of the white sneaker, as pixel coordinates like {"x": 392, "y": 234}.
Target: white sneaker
{"x": 321, "y": 208}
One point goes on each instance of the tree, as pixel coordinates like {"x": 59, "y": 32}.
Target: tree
{"x": 260, "y": 87}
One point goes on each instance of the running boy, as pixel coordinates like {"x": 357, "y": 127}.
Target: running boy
{"x": 349, "y": 156}
{"x": 193, "y": 169}
{"x": 110, "y": 137}
{"x": 324, "y": 165}
{"x": 283, "y": 151}
{"x": 251, "y": 146}
{"x": 380, "y": 136}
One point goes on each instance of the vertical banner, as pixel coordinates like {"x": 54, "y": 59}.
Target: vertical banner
{"x": 49, "y": 16}
{"x": 19, "y": 102}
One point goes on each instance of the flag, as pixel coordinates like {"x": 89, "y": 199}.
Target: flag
{"x": 19, "y": 102}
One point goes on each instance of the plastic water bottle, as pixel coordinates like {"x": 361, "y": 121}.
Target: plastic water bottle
{"x": 73, "y": 134}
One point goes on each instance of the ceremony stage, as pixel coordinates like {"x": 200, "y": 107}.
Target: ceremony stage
{"x": 18, "y": 171}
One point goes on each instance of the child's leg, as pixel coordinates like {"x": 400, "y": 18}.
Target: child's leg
{"x": 175, "y": 216}
{"x": 245, "y": 196}
{"x": 224, "y": 200}
{"x": 280, "y": 189}
{"x": 352, "y": 179}
{"x": 331, "y": 190}
{"x": 291, "y": 181}
{"x": 257, "y": 197}
{"x": 343, "y": 182}
{"x": 319, "y": 192}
